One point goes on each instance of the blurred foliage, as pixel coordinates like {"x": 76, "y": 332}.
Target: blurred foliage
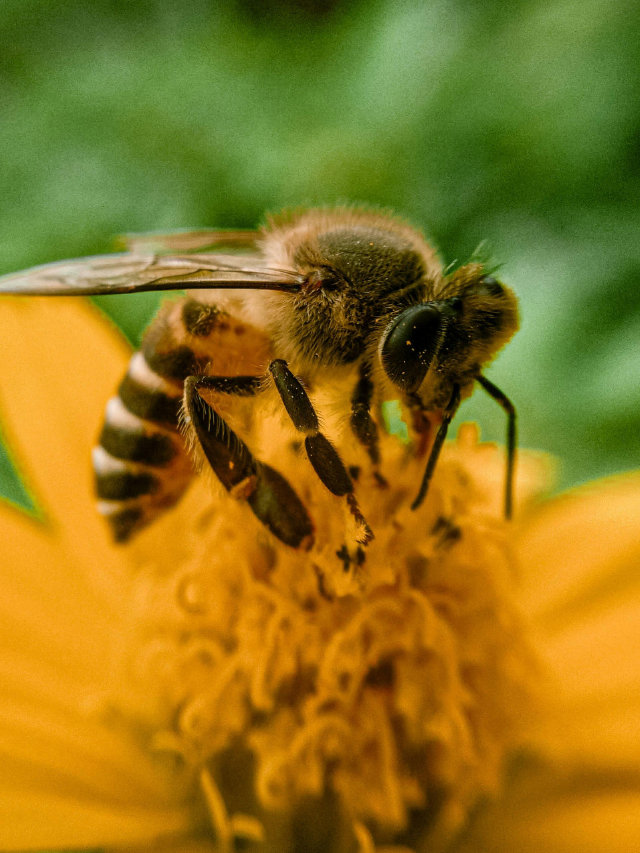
{"x": 514, "y": 124}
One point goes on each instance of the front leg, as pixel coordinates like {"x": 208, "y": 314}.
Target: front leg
{"x": 322, "y": 454}
{"x": 447, "y": 417}
{"x": 267, "y": 492}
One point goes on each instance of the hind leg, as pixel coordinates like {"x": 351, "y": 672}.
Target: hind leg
{"x": 268, "y": 493}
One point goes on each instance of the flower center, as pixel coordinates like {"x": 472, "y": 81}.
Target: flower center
{"x": 392, "y": 685}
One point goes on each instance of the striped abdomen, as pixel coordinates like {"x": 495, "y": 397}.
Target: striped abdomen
{"x": 142, "y": 465}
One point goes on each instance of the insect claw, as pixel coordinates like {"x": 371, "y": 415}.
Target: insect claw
{"x": 365, "y": 533}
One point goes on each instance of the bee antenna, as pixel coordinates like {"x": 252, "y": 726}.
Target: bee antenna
{"x": 480, "y": 250}
{"x": 492, "y": 269}
{"x": 482, "y": 255}
{"x": 449, "y": 413}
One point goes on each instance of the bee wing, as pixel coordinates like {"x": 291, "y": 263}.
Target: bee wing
{"x": 187, "y": 241}
{"x": 132, "y": 273}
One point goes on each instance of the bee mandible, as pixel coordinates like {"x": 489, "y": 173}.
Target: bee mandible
{"x": 316, "y": 293}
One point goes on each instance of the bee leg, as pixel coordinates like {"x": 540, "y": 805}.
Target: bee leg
{"x": 322, "y": 454}
{"x": 363, "y": 426}
{"x": 512, "y": 440}
{"x": 450, "y": 411}
{"x": 272, "y": 499}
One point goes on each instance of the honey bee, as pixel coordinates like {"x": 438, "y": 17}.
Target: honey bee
{"x": 317, "y": 294}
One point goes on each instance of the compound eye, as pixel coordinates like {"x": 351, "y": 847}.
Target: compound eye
{"x": 410, "y": 344}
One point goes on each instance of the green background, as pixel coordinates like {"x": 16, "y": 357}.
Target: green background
{"x": 513, "y": 124}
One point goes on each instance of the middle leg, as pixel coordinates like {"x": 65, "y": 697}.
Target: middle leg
{"x": 363, "y": 426}
{"x": 323, "y": 456}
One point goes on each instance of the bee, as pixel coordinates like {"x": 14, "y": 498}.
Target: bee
{"x": 317, "y": 294}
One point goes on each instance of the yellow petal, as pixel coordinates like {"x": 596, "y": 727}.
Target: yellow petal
{"x": 600, "y": 655}
{"x": 55, "y": 610}
{"x": 33, "y": 821}
{"x": 69, "y": 778}
{"x": 543, "y": 815}
{"x": 179, "y": 845}
{"x": 580, "y": 558}
{"x": 580, "y": 551}
{"x": 59, "y": 364}
{"x": 595, "y": 716}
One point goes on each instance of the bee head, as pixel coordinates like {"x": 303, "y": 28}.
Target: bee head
{"x": 456, "y": 333}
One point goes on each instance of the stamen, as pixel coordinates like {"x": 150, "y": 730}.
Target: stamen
{"x": 217, "y": 811}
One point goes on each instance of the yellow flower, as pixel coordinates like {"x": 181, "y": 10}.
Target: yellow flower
{"x": 205, "y": 685}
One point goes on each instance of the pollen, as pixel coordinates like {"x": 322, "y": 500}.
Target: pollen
{"x": 390, "y": 682}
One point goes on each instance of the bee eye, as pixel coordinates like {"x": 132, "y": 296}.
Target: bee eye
{"x": 410, "y": 344}
{"x": 491, "y": 286}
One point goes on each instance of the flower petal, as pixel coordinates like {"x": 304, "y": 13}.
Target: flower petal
{"x": 579, "y": 555}
{"x": 68, "y": 777}
{"x": 55, "y": 612}
{"x": 580, "y": 550}
{"x": 59, "y": 364}
{"x": 572, "y": 815}
{"x": 179, "y": 845}
{"x": 588, "y": 617}
{"x": 33, "y": 821}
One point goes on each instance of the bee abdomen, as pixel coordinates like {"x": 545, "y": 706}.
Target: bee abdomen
{"x": 150, "y": 404}
{"x": 141, "y": 465}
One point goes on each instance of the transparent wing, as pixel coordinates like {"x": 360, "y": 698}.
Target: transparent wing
{"x": 188, "y": 241}
{"x": 132, "y": 273}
